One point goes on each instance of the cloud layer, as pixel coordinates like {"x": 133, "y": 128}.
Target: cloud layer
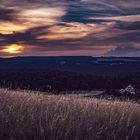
{"x": 80, "y": 27}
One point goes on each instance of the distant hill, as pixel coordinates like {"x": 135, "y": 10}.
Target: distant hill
{"x": 107, "y": 66}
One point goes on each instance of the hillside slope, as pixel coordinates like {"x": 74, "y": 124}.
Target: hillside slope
{"x": 26, "y": 115}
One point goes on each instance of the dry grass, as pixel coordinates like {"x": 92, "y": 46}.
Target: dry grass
{"x": 32, "y": 116}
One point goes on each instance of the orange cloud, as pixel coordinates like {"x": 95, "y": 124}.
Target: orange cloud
{"x": 27, "y": 17}
{"x": 45, "y": 16}
{"x": 12, "y": 49}
{"x": 72, "y": 31}
{"x": 10, "y": 27}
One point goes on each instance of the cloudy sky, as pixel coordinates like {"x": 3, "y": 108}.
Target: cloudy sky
{"x": 69, "y": 27}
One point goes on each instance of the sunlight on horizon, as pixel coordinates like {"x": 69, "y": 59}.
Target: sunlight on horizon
{"x": 13, "y": 49}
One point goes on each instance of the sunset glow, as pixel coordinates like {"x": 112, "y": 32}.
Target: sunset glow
{"x": 81, "y": 27}
{"x": 13, "y": 49}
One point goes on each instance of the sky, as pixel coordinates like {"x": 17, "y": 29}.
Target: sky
{"x": 69, "y": 28}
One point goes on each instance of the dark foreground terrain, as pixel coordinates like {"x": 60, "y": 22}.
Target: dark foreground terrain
{"x": 26, "y": 115}
{"x": 69, "y": 73}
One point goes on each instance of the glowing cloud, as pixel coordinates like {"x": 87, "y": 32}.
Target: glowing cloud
{"x": 12, "y": 49}
{"x": 9, "y": 27}
{"x": 67, "y": 27}
{"x": 72, "y": 31}
{"x": 45, "y": 16}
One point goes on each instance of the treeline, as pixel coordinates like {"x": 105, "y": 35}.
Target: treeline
{"x": 45, "y": 80}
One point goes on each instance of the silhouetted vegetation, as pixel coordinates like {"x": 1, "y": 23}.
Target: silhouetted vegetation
{"x": 46, "y": 80}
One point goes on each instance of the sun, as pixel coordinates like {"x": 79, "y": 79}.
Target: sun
{"x": 13, "y": 49}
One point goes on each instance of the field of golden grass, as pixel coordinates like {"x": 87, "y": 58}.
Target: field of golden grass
{"x": 26, "y": 115}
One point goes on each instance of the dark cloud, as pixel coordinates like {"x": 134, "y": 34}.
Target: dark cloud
{"x": 128, "y": 25}
{"x": 7, "y": 14}
{"x": 123, "y": 38}
{"x": 81, "y": 12}
{"x": 50, "y": 25}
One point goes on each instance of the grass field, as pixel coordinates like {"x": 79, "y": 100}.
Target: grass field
{"x": 26, "y": 115}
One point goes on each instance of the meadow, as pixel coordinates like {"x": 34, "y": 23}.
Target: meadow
{"x": 29, "y": 115}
